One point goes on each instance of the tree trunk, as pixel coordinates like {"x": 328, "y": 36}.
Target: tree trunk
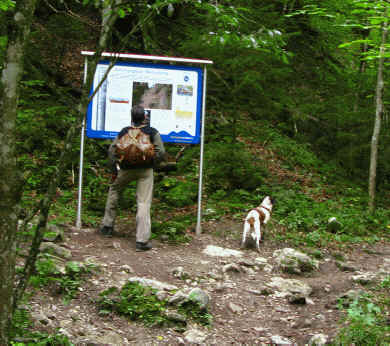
{"x": 109, "y": 17}
{"x": 18, "y": 28}
{"x": 377, "y": 125}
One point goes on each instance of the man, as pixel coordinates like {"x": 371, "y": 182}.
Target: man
{"x": 125, "y": 173}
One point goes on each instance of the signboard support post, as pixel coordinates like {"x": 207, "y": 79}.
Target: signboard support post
{"x": 198, "y": 229}
{"x": 82, "y": 141}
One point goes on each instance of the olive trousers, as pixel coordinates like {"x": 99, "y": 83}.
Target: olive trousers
{"x": 144, "y": 178}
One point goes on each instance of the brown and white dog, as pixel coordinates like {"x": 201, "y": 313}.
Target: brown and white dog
{"x": 254, "y": 221}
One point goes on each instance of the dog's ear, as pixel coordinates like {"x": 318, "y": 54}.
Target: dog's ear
{"x": 273, "y": 201}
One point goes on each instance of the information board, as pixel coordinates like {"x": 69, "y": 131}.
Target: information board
{"x": 172, "y": 96}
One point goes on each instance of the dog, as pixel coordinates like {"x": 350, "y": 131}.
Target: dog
{"x": 254, "y": 221}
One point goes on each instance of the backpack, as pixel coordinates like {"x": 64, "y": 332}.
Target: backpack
{"x": 135, "y": 148}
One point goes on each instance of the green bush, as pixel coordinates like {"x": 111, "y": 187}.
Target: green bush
{"x": 229, "y": 166}
{"x": 365, "y": 325}
{"x": 173, "y": 231}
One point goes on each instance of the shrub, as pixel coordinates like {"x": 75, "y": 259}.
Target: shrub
{"x": 228, "y": 166}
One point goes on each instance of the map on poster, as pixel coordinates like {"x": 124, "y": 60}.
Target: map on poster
{"x": 171, "y": 95}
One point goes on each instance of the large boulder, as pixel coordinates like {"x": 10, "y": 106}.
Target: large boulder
{"x": 294, "y": 262}
{"x": 290, "y": 287}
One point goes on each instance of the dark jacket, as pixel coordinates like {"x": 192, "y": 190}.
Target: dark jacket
{"x": 155, "y": 139}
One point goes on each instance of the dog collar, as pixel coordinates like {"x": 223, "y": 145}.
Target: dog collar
{"x": 270, "y": 211}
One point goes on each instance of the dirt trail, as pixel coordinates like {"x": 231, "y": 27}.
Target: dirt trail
{"x": 240, "y": 314}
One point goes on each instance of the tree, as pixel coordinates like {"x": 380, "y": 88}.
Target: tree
{"x": 18, "y": 18}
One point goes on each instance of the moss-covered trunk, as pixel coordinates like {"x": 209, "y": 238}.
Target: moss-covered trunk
{"x": 17, "y": 30}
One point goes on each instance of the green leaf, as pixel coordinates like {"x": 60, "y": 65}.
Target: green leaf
{"x": 348, "y": 44}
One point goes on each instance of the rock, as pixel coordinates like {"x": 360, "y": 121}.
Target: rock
{"x": 215, "y": 276}
{"x": 162, "y": 295}
{"x": 199, "y": 297}
{"x": 178, "y": 298}
{"x": 180, "y": 273}
{"x": 351, "y": 296}
{"x": 364, "y": 278}
{"x": 195, "y": 336}
{"x": 246, "y": 262}
{"x": 235, "y": 308}
{"x": 279, "y": 340}
{"x": 346, "y": 266}
{"x": 158, "y": 285}
{"x": 41, "y": 318}
{"x": 318, "y": 340}
{"x": 296, "y": 299}
{"x": 268, "y": 268}
{"x": 384, "y": 270}
{"x": 262, "y": 291}
{"x": 248, "y": 271}
{"x": 58, "y": 263}
{"x": 111, "y": 338}
{"x": 294, "y": 262}
{"x": 232, "y": 267}
{"x": 333, "y": 225}
{"x": 53, "y": 234}
{"x": 216, "y": 251}
{"x": 55, "y": 250}
{"x": 290, "y": 286}
{"x": 127, "y": 269}
{"x": 175, "y": 316}
{"x": 261, "y": 262}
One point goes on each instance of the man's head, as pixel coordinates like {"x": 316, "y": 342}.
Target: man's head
{"x": 137, "y": 114}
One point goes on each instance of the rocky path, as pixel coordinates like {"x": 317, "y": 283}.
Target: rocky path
{"x": 278, "y": 296}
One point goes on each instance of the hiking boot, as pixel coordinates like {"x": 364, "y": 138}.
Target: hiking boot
{"x": 107, "y": 231}
{"x": 142, "y": 246}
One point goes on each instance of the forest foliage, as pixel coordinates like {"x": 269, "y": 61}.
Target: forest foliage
{"x": 294, "y": 77}
{"x": 290, "y": 111}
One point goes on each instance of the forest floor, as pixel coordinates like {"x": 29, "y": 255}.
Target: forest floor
{"x": 239, "y": 315}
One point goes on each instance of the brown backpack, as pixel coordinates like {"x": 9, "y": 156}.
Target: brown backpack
{"x": 135, "y": 148}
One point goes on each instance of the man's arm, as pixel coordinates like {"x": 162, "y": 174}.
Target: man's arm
{"x": 159, "y": 148}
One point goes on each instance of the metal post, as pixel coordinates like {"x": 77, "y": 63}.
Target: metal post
{"x": 80, "y": 191}
{"x": 198, "y": 230}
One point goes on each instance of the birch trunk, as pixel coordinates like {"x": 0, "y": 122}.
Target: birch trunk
{"x": 17, "y": 28}
{"x": 377, "y": 124}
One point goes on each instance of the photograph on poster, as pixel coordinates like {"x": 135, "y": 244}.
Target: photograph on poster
{"x": 152, "y": 95}
{"x": 170, "y": 94}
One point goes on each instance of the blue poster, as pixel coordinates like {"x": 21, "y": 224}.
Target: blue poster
{"x": 171, "y": 95}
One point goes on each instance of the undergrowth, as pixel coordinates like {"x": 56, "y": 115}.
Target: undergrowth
{"x": 138, "y": 302}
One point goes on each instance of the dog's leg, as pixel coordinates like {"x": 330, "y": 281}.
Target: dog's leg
{"x": 247, "y": 227}
{"x": 258, "y": 235}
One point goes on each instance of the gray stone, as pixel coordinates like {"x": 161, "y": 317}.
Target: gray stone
{"x": 200, "y": 297}
{"x": 195, "y": 336}
{"x": 180, "y": 273}
{"x": 364, "y": 278}
{"x": 216, "y": 251}
{"x": 231, "y": 267}
{"x": 55, "y": 250}
{"x": 158, "y": 285}
{"x": 127, "y": 269}
{"x": 346, "y": 266}
{"x": 178, "y": 298}
{"x": 294, "y": 262}
{"x": 318, "y": 340}
{"x": 290, "y": 286}
{"x": 110, "y": 338}
{"x": 246, "y": 262}
{"x": 333, "y": 225}
{"x": 53, "y": 233}
{"x": 235, "y": 308}
{"x": 174, "y": 316}
{"x": 279, "y": 340}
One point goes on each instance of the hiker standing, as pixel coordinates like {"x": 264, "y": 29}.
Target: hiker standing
{"x": 132, "y": 155}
